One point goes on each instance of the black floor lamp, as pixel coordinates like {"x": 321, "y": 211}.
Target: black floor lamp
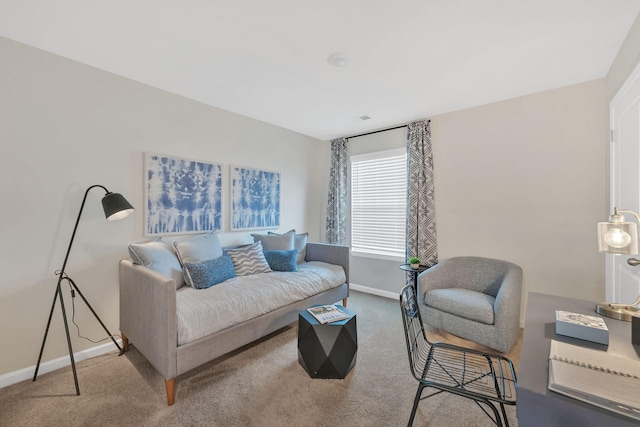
{"x": 115, "y": 207}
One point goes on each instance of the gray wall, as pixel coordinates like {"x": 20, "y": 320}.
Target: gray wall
{"x": 524, "y": 180}
{"x": 521, "y": 180}
{"x": 65, "y": 126}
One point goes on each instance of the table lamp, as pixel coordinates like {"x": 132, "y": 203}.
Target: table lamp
{"x": 619, "y": 237}
{"x": 115, "y": 207}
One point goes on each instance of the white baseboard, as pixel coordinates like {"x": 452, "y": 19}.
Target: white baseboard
{"x": 374, "y": 291}
{"x": 55, "y": 364}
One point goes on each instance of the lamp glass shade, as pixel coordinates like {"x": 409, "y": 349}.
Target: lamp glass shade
{"x": 116, "y": 206}
{"x": 618, "y": 237}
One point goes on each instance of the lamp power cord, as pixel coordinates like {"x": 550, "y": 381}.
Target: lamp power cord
{"x": 72, "y": 284}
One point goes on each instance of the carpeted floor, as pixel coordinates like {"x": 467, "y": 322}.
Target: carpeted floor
{"x": 261, "y": 384}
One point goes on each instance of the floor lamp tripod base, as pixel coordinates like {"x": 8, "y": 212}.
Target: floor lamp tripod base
{"x": 57, "y": 294}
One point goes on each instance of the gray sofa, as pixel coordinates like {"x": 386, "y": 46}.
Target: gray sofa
{"x": 474, "y": 298}
{"x": 148, "y": 317}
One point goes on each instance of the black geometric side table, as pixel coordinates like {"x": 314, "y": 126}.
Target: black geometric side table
{"x": 327, "y": 350}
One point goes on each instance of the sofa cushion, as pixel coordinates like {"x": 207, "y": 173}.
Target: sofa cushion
{"x": 299, "y": 243}
{"x": 201, "y": 312}
{"x": 282, "y": 260}
{"x": 464, "y": 303}
{"x": 159, "y": 256}
{"x": 274, "y": 242}
{"x": 197, "y": 249}
{"x": 210, "y": 272}
{"x": 249, "y": 260}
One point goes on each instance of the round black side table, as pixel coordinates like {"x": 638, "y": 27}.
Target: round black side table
{"x": 415, "y": 271}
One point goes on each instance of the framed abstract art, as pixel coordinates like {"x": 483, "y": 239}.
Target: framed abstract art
{"x": 181, "y": 195}
{"x": 255, "y": 198}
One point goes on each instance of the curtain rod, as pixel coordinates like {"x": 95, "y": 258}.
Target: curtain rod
{"x": 376, "y": 131}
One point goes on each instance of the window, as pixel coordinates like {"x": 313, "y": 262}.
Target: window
{"x": 378, "y": 204}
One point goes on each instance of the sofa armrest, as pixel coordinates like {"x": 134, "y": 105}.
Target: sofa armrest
{"x": 332, "y": 254}
{"x": 148, "y": 315}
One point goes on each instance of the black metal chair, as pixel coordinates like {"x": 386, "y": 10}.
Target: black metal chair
{"x": 487, "y": 379}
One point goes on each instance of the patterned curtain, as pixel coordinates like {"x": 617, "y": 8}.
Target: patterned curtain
{"x": 421, "y": 212}
{"x": 337, "y": 202}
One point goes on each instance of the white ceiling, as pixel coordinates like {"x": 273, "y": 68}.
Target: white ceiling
{"x": 407, "y": 59}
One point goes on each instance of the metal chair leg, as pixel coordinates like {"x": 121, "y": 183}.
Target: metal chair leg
{"x": 416, "y": 401}
{"x": 496, "y": 414}
{"x": 504, "y": 415}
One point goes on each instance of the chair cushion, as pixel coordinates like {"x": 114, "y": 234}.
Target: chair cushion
{"x": 465, "y": 303}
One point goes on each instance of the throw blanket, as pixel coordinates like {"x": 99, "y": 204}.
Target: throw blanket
{"x": 202, "y": 312}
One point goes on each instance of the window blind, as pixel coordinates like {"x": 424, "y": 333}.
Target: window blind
{"x": 378, "y": 203}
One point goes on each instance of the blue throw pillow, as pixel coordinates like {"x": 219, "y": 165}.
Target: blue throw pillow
{"x": 282, "y": 260}
{"x": 210, "y": 272}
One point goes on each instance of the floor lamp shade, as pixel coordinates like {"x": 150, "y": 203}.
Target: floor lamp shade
{"x": 116, "y": 206}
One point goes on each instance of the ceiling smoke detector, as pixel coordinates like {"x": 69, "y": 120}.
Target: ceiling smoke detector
{"x": 337, "y": 60}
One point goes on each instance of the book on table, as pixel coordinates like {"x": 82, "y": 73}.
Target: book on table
{"x": 595, "y": 377}
{"x": 582, "y": 326}
{"x": 328, "y": 313}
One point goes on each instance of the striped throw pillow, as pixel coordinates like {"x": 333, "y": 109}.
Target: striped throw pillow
{"x": 249, "y": 260}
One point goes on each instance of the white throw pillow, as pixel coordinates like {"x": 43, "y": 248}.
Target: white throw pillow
{"x": 276, "y": 242}
{"x": 299, "y": 243}
{"x": 197, "y": 249}
{"x": 159, "y": 256}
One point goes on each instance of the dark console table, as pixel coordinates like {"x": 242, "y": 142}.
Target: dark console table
{"x": 537, "y": 406}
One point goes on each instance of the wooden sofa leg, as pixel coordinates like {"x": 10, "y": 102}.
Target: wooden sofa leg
{"x": 125, "y": 342}
{"x": 170, "y": 386}
{"x": 344, "y": 302}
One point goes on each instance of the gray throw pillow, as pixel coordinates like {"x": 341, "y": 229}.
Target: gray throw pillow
{"x": 159, "y": 256}
{"x": 275, "y": 242}
{"x": 299, "y": 243}
{"x": 197, "y": 249}
{"x": 210, "y": 272}
{"x": 249, "y": 260}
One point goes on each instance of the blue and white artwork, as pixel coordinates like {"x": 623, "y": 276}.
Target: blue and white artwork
{"x": 255, "y": 199}
{"x": 183, "y": 196}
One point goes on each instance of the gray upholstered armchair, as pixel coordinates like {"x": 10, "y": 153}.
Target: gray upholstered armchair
{"x": 474, "y": 298}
